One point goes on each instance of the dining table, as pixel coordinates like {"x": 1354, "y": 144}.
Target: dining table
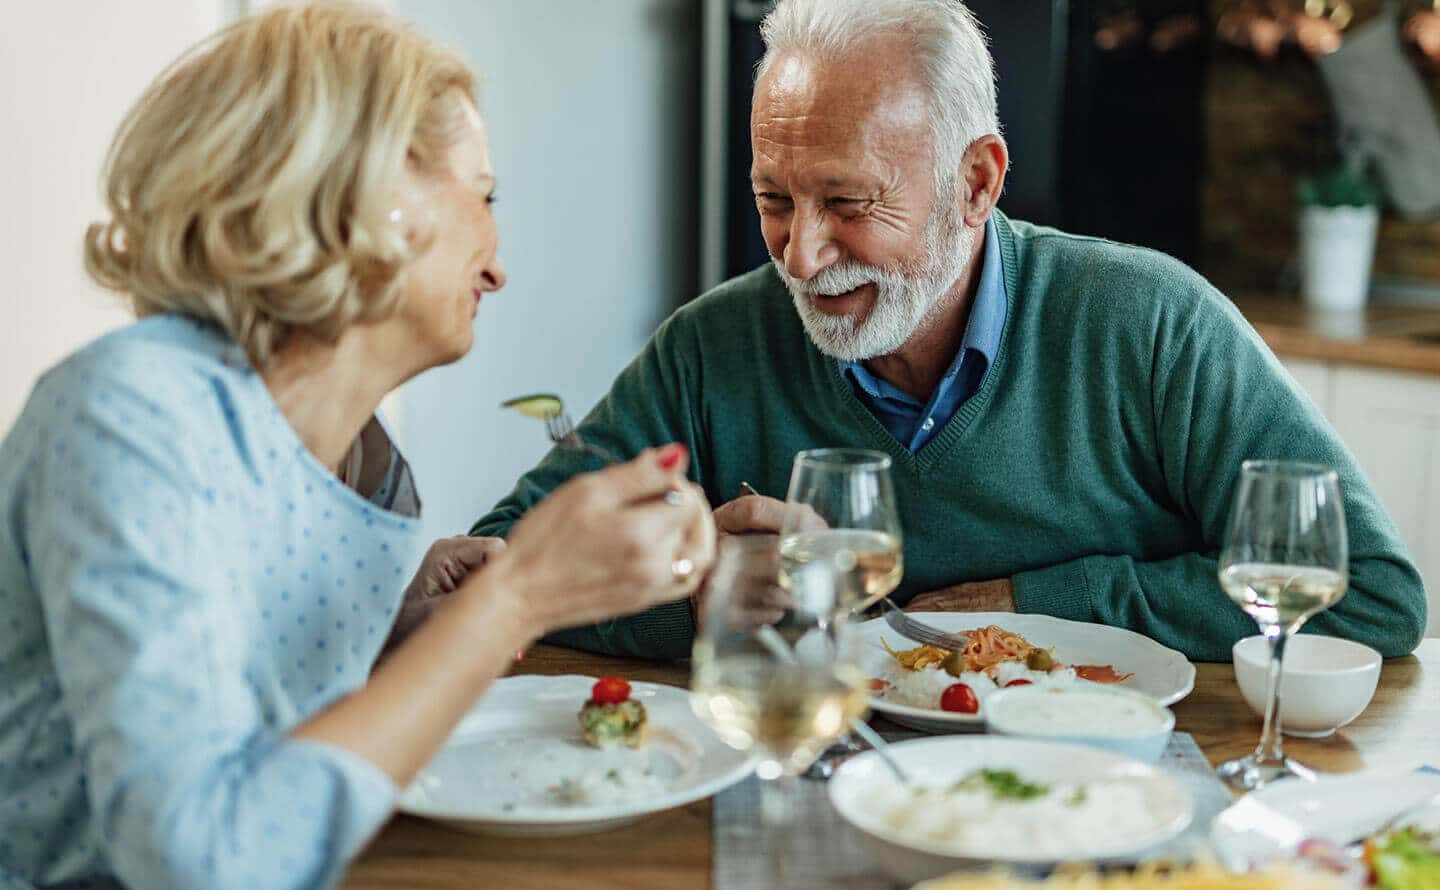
{"x": 673, "y": 850}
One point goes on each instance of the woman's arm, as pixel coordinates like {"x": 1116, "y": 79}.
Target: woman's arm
{"x": 599, "y": 546}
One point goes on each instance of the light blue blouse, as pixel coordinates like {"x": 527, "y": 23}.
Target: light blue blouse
{"x": 181, "y": 584}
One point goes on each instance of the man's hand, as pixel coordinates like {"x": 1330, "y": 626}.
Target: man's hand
{"x": 445, "y": 565}
{"x": 750, "y": 514}
{"x": 976, "y": 596}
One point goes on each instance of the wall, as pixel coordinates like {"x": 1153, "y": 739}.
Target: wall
{"x": 69, "y": 69}
{"x": 593, "y": 116}
{"x": 1270, "y": 122}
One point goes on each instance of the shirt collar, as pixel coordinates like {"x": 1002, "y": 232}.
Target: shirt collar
{"x": 982, "y": 331}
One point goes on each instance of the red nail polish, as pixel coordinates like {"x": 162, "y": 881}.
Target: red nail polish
{"x": 672, "y": 455}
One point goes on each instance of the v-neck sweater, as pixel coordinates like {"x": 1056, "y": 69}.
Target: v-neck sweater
{"x": 1094, "y": 467}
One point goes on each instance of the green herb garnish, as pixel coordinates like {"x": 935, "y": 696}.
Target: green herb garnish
{"x": 1003, "y": 784}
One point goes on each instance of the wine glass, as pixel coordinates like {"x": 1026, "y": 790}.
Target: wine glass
{"x": 1285, "y": 558}
{"x": 841, "y": 509}
{"x": 773, "y": 673}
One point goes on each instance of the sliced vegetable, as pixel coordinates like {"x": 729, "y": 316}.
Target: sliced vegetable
{"x": 610, "y": 691}
{"x": 541, "y": 405}
{"x": 960, "y": 699}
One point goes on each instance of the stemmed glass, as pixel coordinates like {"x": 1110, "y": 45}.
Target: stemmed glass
{"x": 841, "y": 510}
{"x": 773, "y": 672}
{"x": 841, "y": 507}
{"x": 1285, "y": 558}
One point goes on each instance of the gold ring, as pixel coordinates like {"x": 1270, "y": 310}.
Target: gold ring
{"x": 681, "y": 569}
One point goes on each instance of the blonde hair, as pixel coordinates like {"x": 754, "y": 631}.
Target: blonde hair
{"x": 251, "y": 185}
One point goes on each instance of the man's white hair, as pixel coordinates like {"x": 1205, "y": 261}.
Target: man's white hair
{"x": 950, "y": 48}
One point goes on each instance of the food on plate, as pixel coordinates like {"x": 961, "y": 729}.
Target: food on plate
{"x": 992, "y": 658}
{"x": 959, "y": 698}
{"x": 1407, "y": 858}
{"x": 987, "y": 648}
{"x": 1000, "y": 813}
{"x": 610, "y": 786}
{"x": 1148, "y": 877}
{"x": 612, "y": 718}
{"x": 1400, "y": 858}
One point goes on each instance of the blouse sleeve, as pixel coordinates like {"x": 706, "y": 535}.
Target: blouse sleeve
{"x": 188, "y": 785}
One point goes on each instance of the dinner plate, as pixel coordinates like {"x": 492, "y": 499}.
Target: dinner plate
{"x": 504, "y": 769}
{"x": 1162, "y": 673}
{"x": 1271, "y": 823}
{"x": 862, "y": 786}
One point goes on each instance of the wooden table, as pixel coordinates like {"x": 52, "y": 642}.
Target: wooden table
{"x": 671, "y": 851}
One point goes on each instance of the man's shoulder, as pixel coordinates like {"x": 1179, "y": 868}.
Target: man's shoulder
{"x": 735, "y": 316}
{"x": 1092, "y": 274}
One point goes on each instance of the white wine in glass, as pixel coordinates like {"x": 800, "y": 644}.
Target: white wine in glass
{"x": 1285, "y": 558}
{"x": 781, "y": 681}
{"x": 875, "y": 555}
{"x": 841, "y": 510}
{"x": 1279, "y": 595}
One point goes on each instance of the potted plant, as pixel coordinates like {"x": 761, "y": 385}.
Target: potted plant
{"x": 1339, "y": 223}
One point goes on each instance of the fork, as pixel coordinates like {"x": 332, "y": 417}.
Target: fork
{"x": 561, "y": 430}
{"x": 919, "y": 631}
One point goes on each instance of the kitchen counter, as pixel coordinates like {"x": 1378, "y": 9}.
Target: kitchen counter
{"x": 1402, "y": 338}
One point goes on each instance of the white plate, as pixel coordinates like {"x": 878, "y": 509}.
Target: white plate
{"x": 1270, "y": 824}
{"x": 493, "y": 774}
{"x": 864, "y": 779}
{"x": 1161, "y": 673}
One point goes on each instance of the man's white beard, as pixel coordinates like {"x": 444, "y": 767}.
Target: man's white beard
{"x": 905, "y": 295}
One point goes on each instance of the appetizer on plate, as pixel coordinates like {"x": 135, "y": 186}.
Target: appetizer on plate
{"x": 1405, "y": 857}
{"x": 959, "y": 680}
{"x": 611, "y": 718}
{"x": 1149, "y": 877}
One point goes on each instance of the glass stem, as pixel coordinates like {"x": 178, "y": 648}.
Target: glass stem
{"x": 777, "y": 813}
{"x": 1269, "y": 752}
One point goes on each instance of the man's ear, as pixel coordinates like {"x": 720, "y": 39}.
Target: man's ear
{"x": 982, "y": 170}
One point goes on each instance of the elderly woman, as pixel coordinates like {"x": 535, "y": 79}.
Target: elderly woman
{"x": 205, "y": 535}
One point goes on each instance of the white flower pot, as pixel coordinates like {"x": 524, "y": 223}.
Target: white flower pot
{"x": 1337, "y": 251}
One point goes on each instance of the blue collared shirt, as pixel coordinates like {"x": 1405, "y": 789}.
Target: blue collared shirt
{"x": 913, "y": 422}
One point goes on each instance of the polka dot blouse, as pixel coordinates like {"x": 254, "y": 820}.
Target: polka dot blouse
{"x": 181, "y": 584}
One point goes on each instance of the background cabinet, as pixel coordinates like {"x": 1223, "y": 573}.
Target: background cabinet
{"x": 1390, "y": 421}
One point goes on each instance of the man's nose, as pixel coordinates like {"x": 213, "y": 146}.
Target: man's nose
{"x": 810, "y": 247}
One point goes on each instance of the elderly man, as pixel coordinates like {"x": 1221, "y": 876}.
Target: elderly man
{"x": 1067, "y": 416}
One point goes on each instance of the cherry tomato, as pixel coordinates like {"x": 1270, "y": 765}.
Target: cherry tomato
{"x": 959, "y": 698}
{"x": 610, "y": 691}
{"x": 878, "y": 685}
{"x": 1018, "y": 683}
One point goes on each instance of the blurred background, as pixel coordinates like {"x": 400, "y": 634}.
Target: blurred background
{"x": 1288, "y": 149}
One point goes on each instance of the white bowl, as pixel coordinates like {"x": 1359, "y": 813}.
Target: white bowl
{"x": 863, "y": 783}
{"x": 1118, "y": 720}
{"x": 1325, "y": 684}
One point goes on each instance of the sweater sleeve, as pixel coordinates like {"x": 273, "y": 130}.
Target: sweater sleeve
{"x": 652, "y": 402}
{"x": 1219, "y": 397}
{"x": 189, "y": 784}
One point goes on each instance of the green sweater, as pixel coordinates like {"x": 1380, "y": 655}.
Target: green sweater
{"x": 1094, "y": 467}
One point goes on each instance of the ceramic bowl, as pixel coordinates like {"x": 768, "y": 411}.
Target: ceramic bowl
{"x": 1112, "y": 719}
{"x": 1325, "y": 684}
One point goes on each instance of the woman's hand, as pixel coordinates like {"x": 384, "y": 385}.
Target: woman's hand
{"x": 444, "y": 568}
{"x": 609, "y": 543}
